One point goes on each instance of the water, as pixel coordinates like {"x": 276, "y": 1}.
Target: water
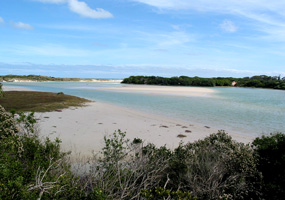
{"x": 247, "y": 111}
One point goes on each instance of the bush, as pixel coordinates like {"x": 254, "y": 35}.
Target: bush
{"x": 1, "y": 91}
{"x": 214, "y": 168}
{"x": 270, "y": 152}
{"x": 124, "y": 171}
{"x": 30, "y": 168}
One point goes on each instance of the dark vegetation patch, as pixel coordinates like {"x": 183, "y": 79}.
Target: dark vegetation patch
{"x": 39, "y": 101}
{"x": 181, "y": 136}
{"x": 261, "y": 81}
{"x": 37, "y": 78}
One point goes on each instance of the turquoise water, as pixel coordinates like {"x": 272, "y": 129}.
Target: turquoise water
{"x": 247, "y": 111}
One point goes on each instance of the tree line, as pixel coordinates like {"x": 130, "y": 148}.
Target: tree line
{"x": 261, "y": 81}
{"x": 38, "y": 78}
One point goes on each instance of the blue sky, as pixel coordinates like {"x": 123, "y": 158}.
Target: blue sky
{"x": 119, "y": 38}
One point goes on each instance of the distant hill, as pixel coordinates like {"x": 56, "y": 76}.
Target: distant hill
{"x": 38, "y": 78}
{"x": 261, "y": 81}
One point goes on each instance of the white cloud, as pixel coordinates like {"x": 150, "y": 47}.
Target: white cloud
{"x": 84, "y": 10}
{"x": 258, "y": 10}
{"x": 1, "y": 20}
{"x": 261, "y": 15}
{"x": 21, "y": 25}
{"x": 210, "y": 5}
{"x": 228, "y": 26}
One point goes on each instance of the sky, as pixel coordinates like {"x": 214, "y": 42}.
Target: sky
{"x": 120, "y": 38}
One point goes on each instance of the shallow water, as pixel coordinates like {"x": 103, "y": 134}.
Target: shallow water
{"x": 247, "y": 111}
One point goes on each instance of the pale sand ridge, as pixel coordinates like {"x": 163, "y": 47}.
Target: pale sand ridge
{"x": 166, "y": 90}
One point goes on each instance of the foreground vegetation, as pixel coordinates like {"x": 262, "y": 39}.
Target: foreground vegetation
{"x": 213, "y": 168}
{"x": 39, "y": 101}
{"x": 263, "y": 81}
{"x": 38, "y": 78}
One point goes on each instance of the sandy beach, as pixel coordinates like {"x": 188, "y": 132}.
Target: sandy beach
{"x": 82, "y": 129}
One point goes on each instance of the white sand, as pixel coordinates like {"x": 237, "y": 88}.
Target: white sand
{"x": 83, "y": 129}
{"x": 165, "y": 90}
{"x": 13, "y": 88}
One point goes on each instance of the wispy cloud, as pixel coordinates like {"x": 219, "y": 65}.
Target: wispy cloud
{"x": 225, "y": 6}
{"x": 21, "y": 25}
{"x": 1, "y": 20}
{"x": 261, "y": 13}
{"x": 82, "y": 8}
{"x": 228, "y": 26}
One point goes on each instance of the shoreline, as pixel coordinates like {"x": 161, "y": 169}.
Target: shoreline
{"x": 87, "y": 81}
{"x": 82, "y": 129}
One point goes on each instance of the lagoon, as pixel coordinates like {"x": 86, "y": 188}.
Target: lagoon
{"x": 247, "y": 111}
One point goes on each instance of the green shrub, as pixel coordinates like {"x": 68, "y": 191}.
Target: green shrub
{"x": 270, "y": 151}
{"x": 215, "y": 167}
{"x": 29, "y": 167}
{"x": 1, "y": 90}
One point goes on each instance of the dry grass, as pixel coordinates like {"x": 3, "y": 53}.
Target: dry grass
{"x": 39, "y": 101}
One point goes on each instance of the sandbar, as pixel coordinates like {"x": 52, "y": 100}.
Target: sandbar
{"x": 165, "y": 90}
{"x": 14, "y": 88}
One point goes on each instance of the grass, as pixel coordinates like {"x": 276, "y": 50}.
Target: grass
{"x": 39, "y": 101}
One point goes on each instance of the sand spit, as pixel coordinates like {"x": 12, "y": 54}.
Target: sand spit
{"x": 165, "y": 90}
